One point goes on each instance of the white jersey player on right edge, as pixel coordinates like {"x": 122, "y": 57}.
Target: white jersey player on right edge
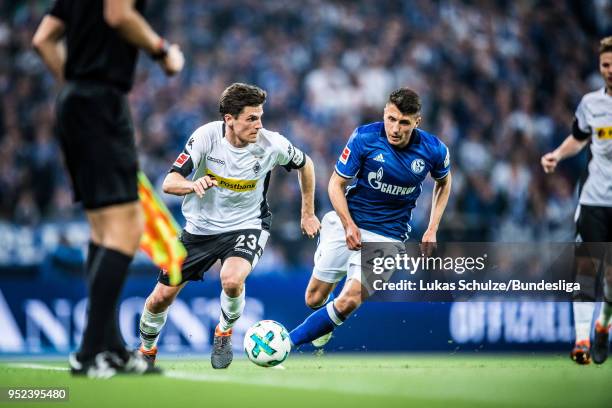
{"x": 225, "y": 207}
{"x": 593, "y": 123}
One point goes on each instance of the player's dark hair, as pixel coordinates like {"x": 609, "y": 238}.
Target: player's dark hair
{"x": 237, "y": 96}
{"x": 605, "y": 45}
{"x": 406, "y": 100}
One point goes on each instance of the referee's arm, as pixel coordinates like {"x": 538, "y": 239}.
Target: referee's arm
{"x": 123, "y": 17}
{"x": 47, "y": 41}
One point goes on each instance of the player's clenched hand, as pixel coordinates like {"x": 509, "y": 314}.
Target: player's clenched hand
{"x": 549, "y": 162}
{"x": 310, "y": 225}
{"x": 353, "y": 237}
{"x": 202, "y": 184}
{"x": 428, "y": 242}
{"x": 173, "y": 62}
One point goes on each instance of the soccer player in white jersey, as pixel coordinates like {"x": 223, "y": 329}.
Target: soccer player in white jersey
{"x": 593, "y": 123}
{"x": 225, "y": 207}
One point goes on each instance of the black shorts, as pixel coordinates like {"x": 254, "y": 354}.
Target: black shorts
{"x": 96, "y": 134}
{"x": 204, "y": 250}
{"x": 594, "y": 232}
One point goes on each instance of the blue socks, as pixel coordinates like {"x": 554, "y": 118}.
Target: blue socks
{"x": 320, "y": 322}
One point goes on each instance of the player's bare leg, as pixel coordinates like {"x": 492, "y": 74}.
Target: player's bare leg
{"x": 233, "y": 274}
{"x": 352, "y": 296}
{"x": 154, "y": 317}
{"x": 318, "y": 293}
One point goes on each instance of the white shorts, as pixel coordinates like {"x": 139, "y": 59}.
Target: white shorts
{"x": 332, "y": 259}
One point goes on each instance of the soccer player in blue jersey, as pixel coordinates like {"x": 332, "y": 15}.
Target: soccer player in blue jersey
{"x": 375, "y": 186}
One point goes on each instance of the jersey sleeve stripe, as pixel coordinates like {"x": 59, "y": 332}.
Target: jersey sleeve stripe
{"x": 443, "y": 177}
{"x": 342, "y": 175}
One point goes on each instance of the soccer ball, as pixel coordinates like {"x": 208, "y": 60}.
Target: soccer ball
{"x": 267, "y": 343}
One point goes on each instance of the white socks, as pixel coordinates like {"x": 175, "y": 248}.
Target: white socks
{"x": 583, "y": 315}
{"x": 150, "y": 326}
{"x": 333, "y": 314}
{"x": 231, "y": 310}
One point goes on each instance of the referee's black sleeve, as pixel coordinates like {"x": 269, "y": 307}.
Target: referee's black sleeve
{"x": 58, "y": 9}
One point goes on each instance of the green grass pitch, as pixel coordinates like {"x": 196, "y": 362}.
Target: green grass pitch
{"x": 372, "y": 380}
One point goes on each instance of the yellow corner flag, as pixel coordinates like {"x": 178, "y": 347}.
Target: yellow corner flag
{"x": 160, "y": 240}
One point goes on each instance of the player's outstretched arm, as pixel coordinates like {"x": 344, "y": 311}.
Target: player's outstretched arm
{"x": 47, "y": 42}
{"x": 122, "y": 16}
{"x": 441, "y": 192}
{"x": 570, "y": 147}
{"x": 176, "y": 184}
{"x": 336, "y": 189}
{"x": 309, "y": 222}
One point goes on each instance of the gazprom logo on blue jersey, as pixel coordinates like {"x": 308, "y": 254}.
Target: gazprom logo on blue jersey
{"x": 375, "y": 180}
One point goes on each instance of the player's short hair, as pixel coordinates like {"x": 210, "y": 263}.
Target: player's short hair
{"x": 605, "y": 45}
{"x": 406, "y": 100}
{"x": 238, "y": 95}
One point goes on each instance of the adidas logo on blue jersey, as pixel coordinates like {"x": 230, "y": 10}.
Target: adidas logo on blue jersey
{"x": 380, "y": 158}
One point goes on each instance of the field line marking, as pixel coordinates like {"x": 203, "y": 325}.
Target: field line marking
{"x": 37, "y": 366}
{"x": 182, "y": 375}
{"x": 199, "y": 377}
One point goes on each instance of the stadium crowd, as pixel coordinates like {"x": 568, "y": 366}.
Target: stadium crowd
{"x": 500, "y": 81}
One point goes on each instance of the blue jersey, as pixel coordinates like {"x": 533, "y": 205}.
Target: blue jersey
{"x": 388, "y": 180}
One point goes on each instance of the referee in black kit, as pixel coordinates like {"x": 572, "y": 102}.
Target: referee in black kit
{"x": 96, "y": 66}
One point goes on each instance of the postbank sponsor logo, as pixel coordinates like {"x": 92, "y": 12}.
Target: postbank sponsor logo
{"x": 232, "y": 183}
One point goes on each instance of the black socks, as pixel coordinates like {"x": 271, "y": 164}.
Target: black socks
{"x": 107, "y": 270}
